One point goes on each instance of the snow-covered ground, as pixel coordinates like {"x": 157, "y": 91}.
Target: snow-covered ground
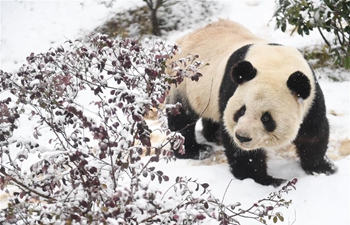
{"x": 35, "y": 26}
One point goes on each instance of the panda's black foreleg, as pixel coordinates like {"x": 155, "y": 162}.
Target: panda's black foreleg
{"x": 312, "y": 156}
{"x": 185, "y": 123}
{"x": 211, "y": 131}
{"x": 312, "y": 140}
{"x": 248, "y": 164}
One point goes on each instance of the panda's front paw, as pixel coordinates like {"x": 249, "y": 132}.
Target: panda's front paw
{"x": 204, "y": 151}
{"x": 276, "y": 182}
{"x": 319, "y": 167}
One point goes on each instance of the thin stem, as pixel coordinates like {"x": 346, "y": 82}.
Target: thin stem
{"x": 223, "y": 197}
{"x": 19, "y": 183}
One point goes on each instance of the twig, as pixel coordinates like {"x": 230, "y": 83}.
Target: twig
{"x": 223, "y": 197}
{"x": 2, "y": 170}
{"x": 201, "y": 114}
{"x": 323, "y": 37}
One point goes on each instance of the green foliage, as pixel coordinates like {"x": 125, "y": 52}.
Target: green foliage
{"x": 331, "y": 16}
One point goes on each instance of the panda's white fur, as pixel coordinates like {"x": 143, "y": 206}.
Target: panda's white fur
{"x": 276, "y": 80}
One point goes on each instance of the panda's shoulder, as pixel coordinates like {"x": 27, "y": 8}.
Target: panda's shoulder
{"x": 222, "y": 34}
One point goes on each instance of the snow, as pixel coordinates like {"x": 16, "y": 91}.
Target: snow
{"x": 35, "y": 26}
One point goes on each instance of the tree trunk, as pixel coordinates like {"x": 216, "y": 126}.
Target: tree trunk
{"x": 154, "y": 19}
{"x": 155, "y": 23}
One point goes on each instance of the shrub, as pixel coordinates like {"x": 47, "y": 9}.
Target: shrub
{"x": 326, "y": 15}
{"x": 84, "y": 106}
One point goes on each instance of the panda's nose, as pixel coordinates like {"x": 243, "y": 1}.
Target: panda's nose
{"x": 243, "y": 139}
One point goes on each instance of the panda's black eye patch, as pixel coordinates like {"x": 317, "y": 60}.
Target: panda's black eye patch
{"x": 269, "y": 123}
{"x": 239, "y": 113}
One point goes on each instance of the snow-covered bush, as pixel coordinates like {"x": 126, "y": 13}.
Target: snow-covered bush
{"x": 73, "y": 132}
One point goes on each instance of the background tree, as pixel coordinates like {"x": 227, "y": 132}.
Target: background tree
{"x": 331, "y": 16}
{"x": 157, "y": 17}
{"x": 153, "y": 7}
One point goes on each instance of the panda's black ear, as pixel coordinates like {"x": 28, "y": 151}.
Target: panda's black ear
{"x": 242, "y": 71}
{"x": 299, "y": 84}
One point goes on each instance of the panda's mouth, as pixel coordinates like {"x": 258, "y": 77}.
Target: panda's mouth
{"x": 245, "y": 145}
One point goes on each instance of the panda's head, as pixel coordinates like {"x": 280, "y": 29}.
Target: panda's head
{"x": 267, "y": 107}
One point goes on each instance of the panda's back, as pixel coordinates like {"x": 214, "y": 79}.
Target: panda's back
{"x": 214, "y": 44}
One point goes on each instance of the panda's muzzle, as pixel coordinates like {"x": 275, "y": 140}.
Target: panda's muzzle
{"x": 243, "y": 139}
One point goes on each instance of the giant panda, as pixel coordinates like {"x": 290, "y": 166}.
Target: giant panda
{"x": 254, "y": 97}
